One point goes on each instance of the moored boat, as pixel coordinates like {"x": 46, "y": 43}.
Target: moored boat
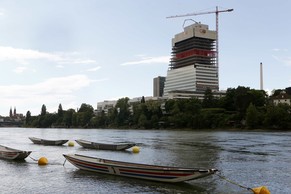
{"x": 136, "y": 170}
{"x": 36, "y": 140}
{"x": 104, "y": 146}
{"x": 13, "y": 154}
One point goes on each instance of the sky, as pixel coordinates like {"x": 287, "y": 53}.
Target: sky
{"x": 71, "y": 52}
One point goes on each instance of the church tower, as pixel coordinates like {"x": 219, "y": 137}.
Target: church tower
{"x": 10, "y": 112}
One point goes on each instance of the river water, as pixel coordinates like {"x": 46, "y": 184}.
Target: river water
{"x": 250, "y": 159}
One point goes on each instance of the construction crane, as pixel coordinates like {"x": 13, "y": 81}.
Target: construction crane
{"x": 203, "y": 13}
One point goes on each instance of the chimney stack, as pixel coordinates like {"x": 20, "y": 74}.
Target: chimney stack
{"x": 261, "y": 76}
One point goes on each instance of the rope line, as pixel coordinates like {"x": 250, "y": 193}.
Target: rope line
{"x": 64, "y": 162}
{"x": 33, "y": 158}
{"x": 230, "y": 181}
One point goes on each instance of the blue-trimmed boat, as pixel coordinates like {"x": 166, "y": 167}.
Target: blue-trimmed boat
{"x": 135, "y": 170}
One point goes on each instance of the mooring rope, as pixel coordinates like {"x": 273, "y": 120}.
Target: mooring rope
{"x": 64, "y": 162}
{"x": 33, "y": 158}
{"x": 230, "y": 181}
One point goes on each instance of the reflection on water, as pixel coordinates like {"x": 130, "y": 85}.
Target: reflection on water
{"x": 251, "y": 159}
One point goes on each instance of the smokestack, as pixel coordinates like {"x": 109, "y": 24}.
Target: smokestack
{"x": 261, "y": 76}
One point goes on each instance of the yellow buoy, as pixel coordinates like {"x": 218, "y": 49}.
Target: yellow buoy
{"x": 71, "y": 144}
{"x": 261, "y": 190}
{"x": 135, "y": 149}
{"x": 42, "y": 161}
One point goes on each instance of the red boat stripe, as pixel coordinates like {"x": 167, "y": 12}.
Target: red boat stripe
{"x": 87, "y": 164}
{"x": 155, "y": 173}
{"x": 152, "y": 176}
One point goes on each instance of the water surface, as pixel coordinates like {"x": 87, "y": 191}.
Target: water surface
{"x": 250, "y": 159}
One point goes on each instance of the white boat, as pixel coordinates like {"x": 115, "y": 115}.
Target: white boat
{"x": 13, "y": 154}
{"x": 135, "y": 170}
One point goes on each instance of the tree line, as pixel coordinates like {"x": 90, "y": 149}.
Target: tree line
{"x": 241, "y": 107}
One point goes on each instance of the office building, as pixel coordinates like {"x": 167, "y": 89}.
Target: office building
{"x": 158, "y": 86}
{"x": 193, "y": 65}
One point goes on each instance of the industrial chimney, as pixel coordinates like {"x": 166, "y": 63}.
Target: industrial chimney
{"x": 261, "y": 76}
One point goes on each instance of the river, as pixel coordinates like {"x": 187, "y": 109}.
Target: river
{"x": 250, "y": 159}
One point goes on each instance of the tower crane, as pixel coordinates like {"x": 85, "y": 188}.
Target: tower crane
{"x": 203, "y": 13}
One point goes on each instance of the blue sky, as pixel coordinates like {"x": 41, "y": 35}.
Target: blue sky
{"x": 71, "y": 52}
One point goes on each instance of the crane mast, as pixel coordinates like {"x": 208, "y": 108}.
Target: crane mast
{"x": 204, "y": 13}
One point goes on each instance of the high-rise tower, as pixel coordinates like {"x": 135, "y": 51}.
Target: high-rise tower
{"x": 193, "y": 63}
{"x": 158, "y": 86}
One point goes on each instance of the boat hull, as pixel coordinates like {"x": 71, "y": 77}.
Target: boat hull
{"x": 140, "y": 171}
{"x": 48, "y": 142}
{"x": 13, "y": 154}
{"x": 103, "y": 146}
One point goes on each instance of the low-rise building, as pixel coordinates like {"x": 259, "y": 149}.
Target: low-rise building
{"x": 180, "y": 94}
{"x": 283, "y": 97}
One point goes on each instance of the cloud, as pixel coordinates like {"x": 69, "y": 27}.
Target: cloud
{"x": 51, "y": 87}
{"x": 76, "y": 61}
{"x": 51, "y": 91}
{"x": 10, "y": 53}
{"x": 285, "y": 60}
{"x": 19, "y": 70}
{"x": 94, "y": 69}
{"x": 1, "y": 12}
{"x": 288, "y": 61}
{"x": 149, "y": 60}
{"x": 24, "y": 55}
{"x": 277, "y": 50}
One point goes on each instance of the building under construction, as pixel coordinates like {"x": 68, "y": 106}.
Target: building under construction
{"x": 193, "y": 65}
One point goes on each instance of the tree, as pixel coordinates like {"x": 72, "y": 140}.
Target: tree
{"x": 60, "y": 111}
{"x": 84, "y": 115}
{"x": 278, "y": 116}
{"x": 242, "y": 99}
{"x": 208, "y": 100}
{"x": 193, "y": 106}
{"x": 28, "y": 118}
{"x": 86, "y": 108}
{"x": 142, "y": 121}
{"x": 100, "y": 120}
{"x": 43, "y": 110}
{"x": 68, "y": 117}
{"x": 142, "y": 99}
{"x": 228, "y": 101}
{"x": 252, "y": 117}
{"x": 123, "y": 113}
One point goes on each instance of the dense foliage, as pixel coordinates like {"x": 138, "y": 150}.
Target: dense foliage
{"x": 241, "y": 107}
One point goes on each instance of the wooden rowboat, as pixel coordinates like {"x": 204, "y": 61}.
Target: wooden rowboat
{"x": 48, "y": 142}
{"x": 104, "y": 146}
{"x": 135, "y": 170}
{"x": 13, "y": 154}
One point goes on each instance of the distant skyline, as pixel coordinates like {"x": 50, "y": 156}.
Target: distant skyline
{"x": 72, "y": 52}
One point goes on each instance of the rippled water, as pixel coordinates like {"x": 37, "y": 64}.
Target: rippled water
{"x": 250, "y": 159}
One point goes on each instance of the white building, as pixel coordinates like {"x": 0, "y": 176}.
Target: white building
{"x": 193, "y": 64}
{"x": 282, "y": 98}
{"x": 107, "y": 105}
